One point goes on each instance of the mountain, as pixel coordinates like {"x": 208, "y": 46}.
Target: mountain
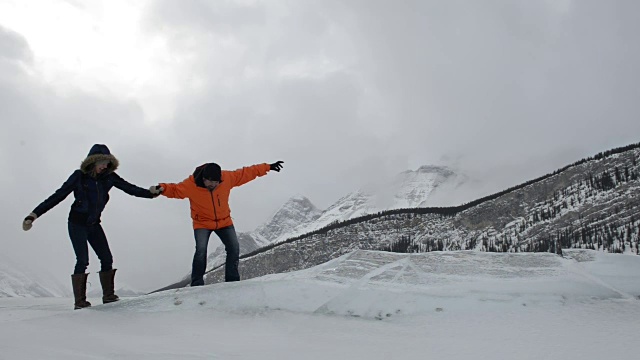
{"x": 299, "y": 216}
{"x": 123, "y": 291}
{"x": 408, "y": 189}
{"x": 295, "y": 212}
{"x": 593, "y": 203}
{"x": 16, "y": 283}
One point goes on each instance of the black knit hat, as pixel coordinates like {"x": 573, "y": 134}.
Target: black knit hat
{"x": 212, "y": 172}
{"x": 209, "y": 171}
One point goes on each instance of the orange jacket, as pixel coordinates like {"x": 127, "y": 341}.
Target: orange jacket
{"x": 210, "y": 209}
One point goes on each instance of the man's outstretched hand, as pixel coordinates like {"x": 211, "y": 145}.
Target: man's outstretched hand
{"x": 276, "y": 166}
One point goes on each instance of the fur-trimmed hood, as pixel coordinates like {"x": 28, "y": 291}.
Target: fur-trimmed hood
{"x": 99, "y": 152}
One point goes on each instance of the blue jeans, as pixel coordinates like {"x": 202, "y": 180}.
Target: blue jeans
{"x": 230, "y": 240}
{"x": 93, "y": 235}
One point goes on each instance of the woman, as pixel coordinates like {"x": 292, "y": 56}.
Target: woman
{"x": 90, "y": 186}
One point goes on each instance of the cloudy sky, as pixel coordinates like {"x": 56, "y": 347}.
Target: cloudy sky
{"x": 345, "y": 92}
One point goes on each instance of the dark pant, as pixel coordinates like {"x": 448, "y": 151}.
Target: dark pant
{"x": 230, "y": 241}
{"x": 94, "y": 235}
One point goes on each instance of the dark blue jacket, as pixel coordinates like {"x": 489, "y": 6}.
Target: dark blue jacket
{"x": 91, "y": 192}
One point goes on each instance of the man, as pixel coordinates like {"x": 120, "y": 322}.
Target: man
{"x": 208, "y": 191}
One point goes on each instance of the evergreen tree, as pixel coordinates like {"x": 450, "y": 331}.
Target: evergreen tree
{"x": 626, "y": 172}
{"x": 607, "y": 181}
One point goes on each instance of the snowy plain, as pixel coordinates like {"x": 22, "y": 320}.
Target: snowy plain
{"x": 363, "y": 305}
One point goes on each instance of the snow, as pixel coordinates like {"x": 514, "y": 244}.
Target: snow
{"x": 363, "y": 305}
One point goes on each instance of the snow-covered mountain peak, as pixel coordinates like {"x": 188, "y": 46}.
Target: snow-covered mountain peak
{"x": 297, "y": 202}
{"x": 431, "y": 169}
{"x": 296, "y": 210}
{"x": 412, "y": 188}
{"x": 408, "y": 189}
{"x": 298, "y": 198}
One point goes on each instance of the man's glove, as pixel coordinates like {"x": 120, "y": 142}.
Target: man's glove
{"x": 28, "y": 221}
{"x": 156, "y": 190}
{"x": 276, "y": 166}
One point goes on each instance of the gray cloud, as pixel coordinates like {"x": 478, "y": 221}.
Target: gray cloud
{"x": 14, "y": 47}
{"x": 504, "y": 81}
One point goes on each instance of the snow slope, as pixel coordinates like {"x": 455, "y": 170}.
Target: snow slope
{"x": 363, "y": 305}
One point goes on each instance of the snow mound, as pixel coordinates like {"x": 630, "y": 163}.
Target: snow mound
{"x": 380, "y": 285}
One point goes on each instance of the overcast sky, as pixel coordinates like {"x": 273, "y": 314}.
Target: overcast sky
{"x": 345, "y": 92}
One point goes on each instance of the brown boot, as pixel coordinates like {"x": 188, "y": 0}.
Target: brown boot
{"x": 108, "y": 292}
{"x": 79, "y": 283}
